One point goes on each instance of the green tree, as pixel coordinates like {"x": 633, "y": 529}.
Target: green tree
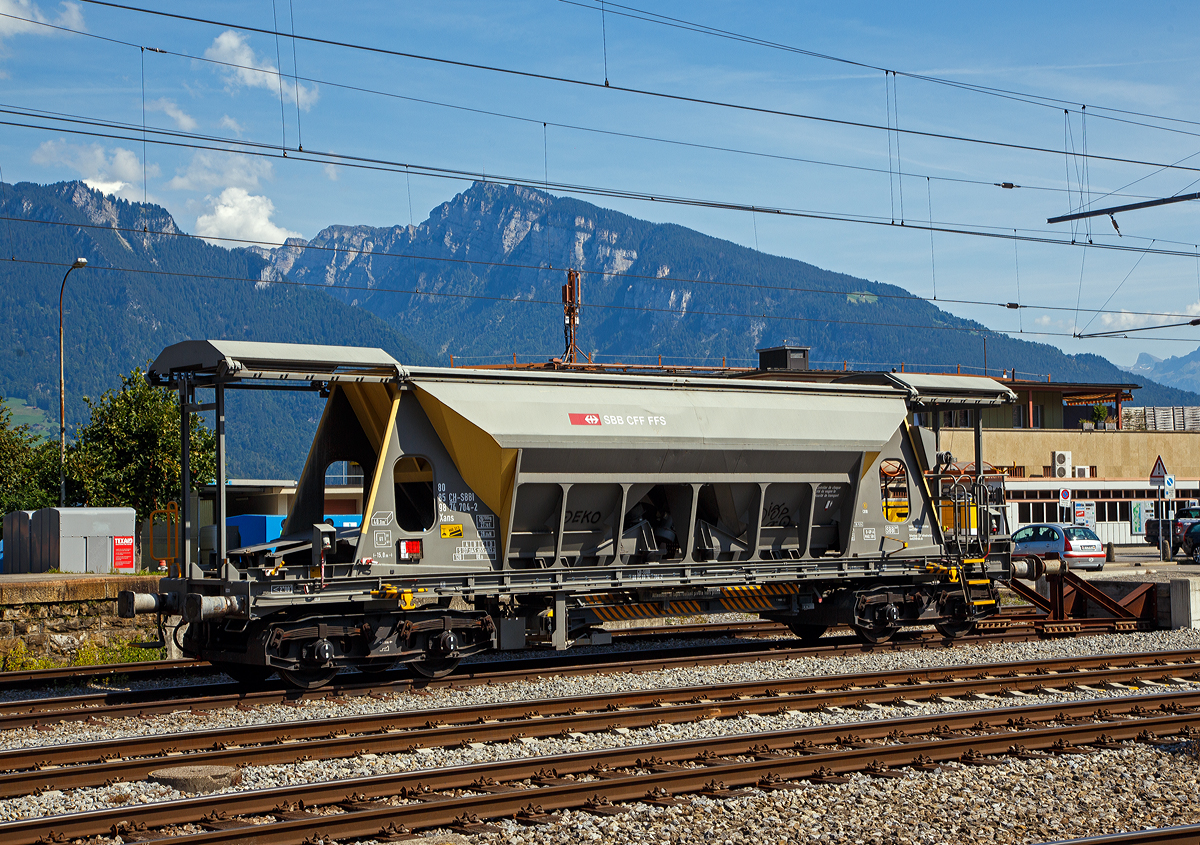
{"x": 23, "y": 467}
{"x": 128, "y": 453}
{"x": 1099, "y": 414}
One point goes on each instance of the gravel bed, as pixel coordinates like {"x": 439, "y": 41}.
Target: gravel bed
{"x": 365, "y": 765}
{"x": 1019, "y": 801}
{"x": 558, "y": 686}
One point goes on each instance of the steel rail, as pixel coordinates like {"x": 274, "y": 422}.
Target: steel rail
{"x": 156, "y": 669}
{"x": 32, "y": 678}
{"x": 114, "y": 704}
{"x": 1188, "y": 834}
{"x": 26, "y": 770}
{"x": 1075, "y": 725}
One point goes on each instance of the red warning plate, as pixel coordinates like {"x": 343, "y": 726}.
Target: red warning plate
{"x": 585, "y": 419}
{"x": 123, "y": 553}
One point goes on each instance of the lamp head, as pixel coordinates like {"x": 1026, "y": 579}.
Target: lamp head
{"x": 79, "y": 263}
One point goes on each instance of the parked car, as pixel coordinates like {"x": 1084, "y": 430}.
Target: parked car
{"x": 1190, "y": 546}
{"x": 1183, "y": 520}
{"x": 1076, "y": 544}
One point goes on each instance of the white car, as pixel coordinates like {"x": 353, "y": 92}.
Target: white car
{"x": 1076, "y": 544}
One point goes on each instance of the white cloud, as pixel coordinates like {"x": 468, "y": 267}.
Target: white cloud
{"x": 168, "y": 107}
{"x": 232, "y": 125}
{"x": 116, "y": 172}
{"x": 331, "y": 173}
{"x": 1125, "y": 320}
{"x": 252, "y": 72}
{"x": 238, "y": 214}
{"x": 208, "y": 170}
{"x": 70, "y": 17}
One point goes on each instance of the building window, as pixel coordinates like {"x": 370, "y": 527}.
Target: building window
{"x": 1021, "y": 415}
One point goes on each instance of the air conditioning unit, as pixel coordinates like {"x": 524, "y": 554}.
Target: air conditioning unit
{"x": 1062, "y": 465}
{"x": 1083, "y": 472}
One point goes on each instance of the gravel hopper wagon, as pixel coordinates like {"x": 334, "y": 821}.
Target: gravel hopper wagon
{"x": 510, "y": 509}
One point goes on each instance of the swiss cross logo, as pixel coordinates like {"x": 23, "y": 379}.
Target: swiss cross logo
{"x": 585, "y": 419}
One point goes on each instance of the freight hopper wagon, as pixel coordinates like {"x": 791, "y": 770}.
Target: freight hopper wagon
{"x": 507, "y": 509}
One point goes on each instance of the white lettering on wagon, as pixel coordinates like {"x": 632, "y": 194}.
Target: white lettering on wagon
{"x": 633, "y": 419}
{"x": 590, "y": 419}
{"x": 475, "y": 550}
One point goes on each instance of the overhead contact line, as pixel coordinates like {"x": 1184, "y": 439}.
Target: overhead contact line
{"x": 624, "y": 89}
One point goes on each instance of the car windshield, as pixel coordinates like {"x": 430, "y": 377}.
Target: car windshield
{"x": 1078, "y": 533}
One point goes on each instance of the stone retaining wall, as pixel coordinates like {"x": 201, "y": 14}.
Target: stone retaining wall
{"x": 53, "y": 616}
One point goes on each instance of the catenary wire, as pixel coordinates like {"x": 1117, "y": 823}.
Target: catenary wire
{"x": 682, "y": 98}
{"x": 384, "y": 165}
{"x": 663, "y": 198}
{"x": 1003, "y": 93}
{"x": 570, "y": 126}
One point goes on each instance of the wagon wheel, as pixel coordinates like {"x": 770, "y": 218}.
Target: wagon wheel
{"x": 308, "y": 678}
{"x": 434, "y": 667}
{"x": 876, "y": 636}
{"x": 957, "y": 622}
{"x": 884, "y": 623}
{"x": 952, "y": 629}
{"x": 808, "y": 633}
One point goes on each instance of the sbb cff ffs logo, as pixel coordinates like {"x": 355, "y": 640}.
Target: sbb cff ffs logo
{"x": 585, "y": 419}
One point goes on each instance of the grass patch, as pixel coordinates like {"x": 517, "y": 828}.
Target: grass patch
{"x": 19, "y": 659}
{"x": 37, "y": 419}
{"x": 1008, "y": 597}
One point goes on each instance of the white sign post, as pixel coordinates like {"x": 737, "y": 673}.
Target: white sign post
{"x": 1159, "y": 477}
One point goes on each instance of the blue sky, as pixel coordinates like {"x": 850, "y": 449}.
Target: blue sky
{"x": 1107, "y": 56}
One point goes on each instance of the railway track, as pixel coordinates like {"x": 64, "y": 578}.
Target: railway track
{"x": 157, "y": 670}
{"x": 74, "y": 765}
{"x": 529, "y": 789}
{"x": 1179, "y": 835}
{"x": 121, "y": 703}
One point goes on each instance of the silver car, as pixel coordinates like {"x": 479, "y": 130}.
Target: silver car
{"x": 1076, "y": 544}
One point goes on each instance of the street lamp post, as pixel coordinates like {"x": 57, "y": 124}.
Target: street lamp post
{"x": 62, "y": 392}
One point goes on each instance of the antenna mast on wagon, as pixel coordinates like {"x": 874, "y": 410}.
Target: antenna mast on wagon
{"x": 571, "y": 302}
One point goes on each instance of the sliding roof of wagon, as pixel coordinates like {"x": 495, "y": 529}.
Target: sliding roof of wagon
{"x": 243, "y": 359}
{"x": 240, "y": 360}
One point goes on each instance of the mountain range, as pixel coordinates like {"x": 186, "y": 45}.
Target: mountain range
{"x": 1182, "y": 371}
{"x": 474, "y": 280}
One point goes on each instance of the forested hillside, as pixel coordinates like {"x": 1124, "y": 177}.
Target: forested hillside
{"x": 142, "y": 292}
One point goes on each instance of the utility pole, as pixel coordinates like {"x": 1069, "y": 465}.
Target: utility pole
{"x": 571, "y": 301}
{"x": 62, "y": 391}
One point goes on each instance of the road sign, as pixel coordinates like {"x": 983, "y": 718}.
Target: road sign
{"x": 1064, "y": 495}
{"x": 1169, "y": 487}
{"x": 1158, "y": 475}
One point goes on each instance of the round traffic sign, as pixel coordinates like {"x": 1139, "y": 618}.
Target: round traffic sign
{"x": 1064, "y": 494}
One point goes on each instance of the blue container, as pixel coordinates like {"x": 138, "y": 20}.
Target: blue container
{"x": 256, "y": 528}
